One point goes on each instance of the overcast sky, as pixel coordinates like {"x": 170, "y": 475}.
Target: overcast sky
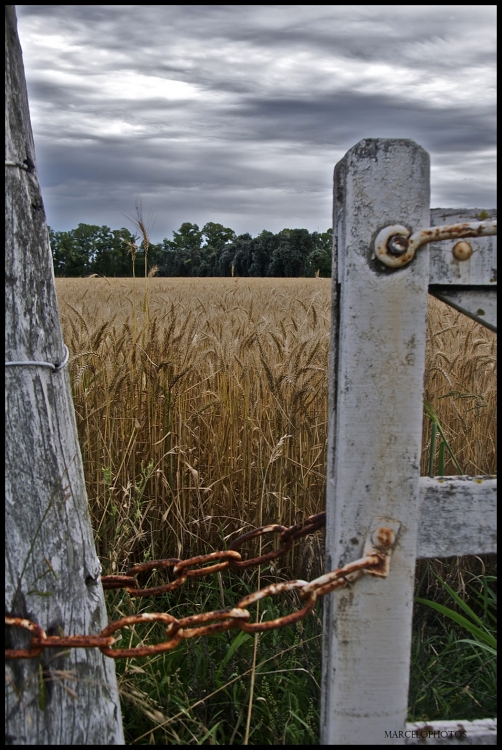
{"x": 238, "y": 114}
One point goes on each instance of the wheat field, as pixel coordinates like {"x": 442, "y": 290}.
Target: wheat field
{"x": 201, "y": 407}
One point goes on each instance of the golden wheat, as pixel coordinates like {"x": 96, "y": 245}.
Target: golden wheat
{"x": 203, "y": 410}
{"x": 460, "y": 384}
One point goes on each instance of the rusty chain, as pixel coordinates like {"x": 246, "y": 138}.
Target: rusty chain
{"x": 376, "y": 563}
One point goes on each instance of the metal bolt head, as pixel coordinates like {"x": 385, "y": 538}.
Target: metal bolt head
{"x": 462, "y": 251}
{"x": 397, "y": 245}
{"x": 383, "y": 537}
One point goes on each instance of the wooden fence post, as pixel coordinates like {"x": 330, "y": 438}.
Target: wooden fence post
{"x": 375, "y": 432}
{"x": 52, "y": 573}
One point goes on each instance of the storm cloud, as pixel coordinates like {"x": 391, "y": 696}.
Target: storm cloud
{"x": 238, "y": 114}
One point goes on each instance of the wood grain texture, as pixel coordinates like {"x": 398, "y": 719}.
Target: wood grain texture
{"x": 374, "y": 439}
{"x": 477, "y": 732}
{"x": 52, "y": 571}
{"x": 480, "y": 269}
{"x": 458, "y": 516}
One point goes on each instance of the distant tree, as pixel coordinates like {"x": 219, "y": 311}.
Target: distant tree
{"x": 320, "y": 257}
{"x": 239, "y": 255}
{"x": 210, "y": 251}
{"x": 290, "y": 258}
{"x": 225, "y": 261}
{"x": 181, "y": 256}
{"x": 113, "y": 256}
{"x": 91, "y": 249}
{"x": 264, "y": 247}
{"x": 216, "y": 239}
{"x": 73, "y": 252}
{"x": 188, "y": 242}
{"x": 165, "y": 259}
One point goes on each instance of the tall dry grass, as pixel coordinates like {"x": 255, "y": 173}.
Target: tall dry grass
{"x": 461, "y": 387}
{"x": 207, "y": 419}
{"x": 202, "y": 403}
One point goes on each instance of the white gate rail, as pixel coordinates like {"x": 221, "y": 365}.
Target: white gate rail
{"x": 375, "y": 432}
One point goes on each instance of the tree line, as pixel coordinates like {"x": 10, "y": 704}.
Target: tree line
{"x": 214, "y": 250}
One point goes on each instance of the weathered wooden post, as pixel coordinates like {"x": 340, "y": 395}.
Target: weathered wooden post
{"x": 52, "y": 573}
{"x": 380, "y": 284}
{"x": 377, "y": 367}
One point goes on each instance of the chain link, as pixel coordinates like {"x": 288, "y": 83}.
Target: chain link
{"x": 220, "y": 620}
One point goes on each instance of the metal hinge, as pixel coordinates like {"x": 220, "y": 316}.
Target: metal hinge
{"x": 395, "y": 248}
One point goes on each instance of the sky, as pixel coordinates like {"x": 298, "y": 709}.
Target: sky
{"x": 238, "y": 114}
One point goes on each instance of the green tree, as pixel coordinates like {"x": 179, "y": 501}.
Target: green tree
{"x": 73, "y": 252}
{"x": 91, "y": 249}
{"x": 216, "y": 239}
{"x": 113, "y": 256}
{"x": 237, "y": 254}
{"x": 320, "y": 258}
{"x": 210, "y": 251}
{"x": 290, "y": 257}
{"x": 264, "y": 247}
{"x": 186, "y": 249}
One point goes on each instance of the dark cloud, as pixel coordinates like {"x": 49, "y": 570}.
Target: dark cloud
{"x": 326, "y": 121}
{"x": 238, "y": 114}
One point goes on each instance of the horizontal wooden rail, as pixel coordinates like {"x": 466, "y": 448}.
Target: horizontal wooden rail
{"x": 480, "y": 269}
{"x": 458, "y": 516}
{"x": 477, "y": 302}
{"x": 478, "y": 732}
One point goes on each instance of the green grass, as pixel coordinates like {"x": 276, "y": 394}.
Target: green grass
{"x": 199, "y": 692}
{"x": 454, "y": 653}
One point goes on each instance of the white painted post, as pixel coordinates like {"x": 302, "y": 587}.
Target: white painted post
{"x": 377, "y": 369}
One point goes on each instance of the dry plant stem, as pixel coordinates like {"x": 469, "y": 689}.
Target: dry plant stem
{"x": 253, "y": 672}
{"x": 202, "y": 386}
{"x": 215, "y": 692}
{"x": 220, "y": 586}
{"x": 237, "y": 724}
{"x": 257, "y": 635}
{"x": 274, "y": 456}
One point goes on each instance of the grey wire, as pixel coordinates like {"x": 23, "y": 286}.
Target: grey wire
{"x": 33, "y": 363}
{"x": 16, "y": 164}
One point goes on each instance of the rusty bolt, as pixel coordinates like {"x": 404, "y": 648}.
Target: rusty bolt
{"x": 397, "y": 245}
{"x": 462, "y": 251}
{"x": 383, "y": 537}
